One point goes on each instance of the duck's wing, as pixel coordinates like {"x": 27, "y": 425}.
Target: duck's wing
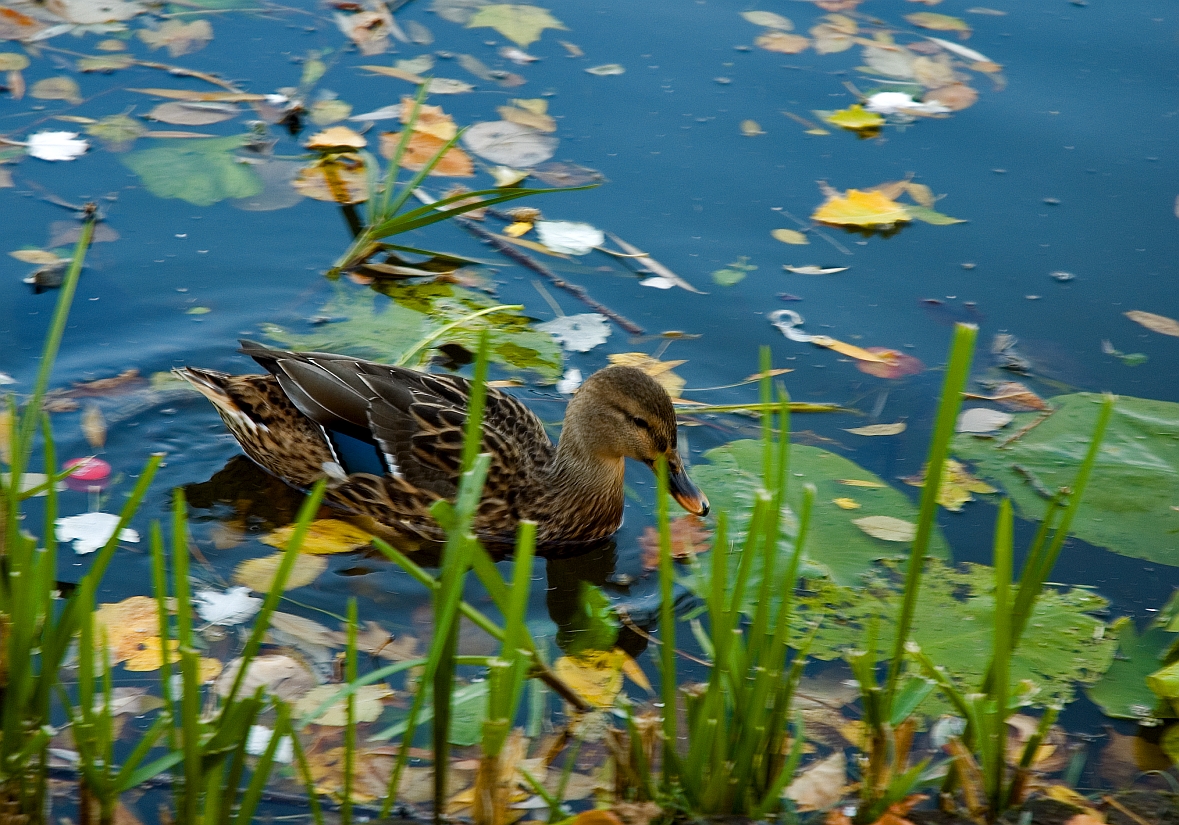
{"x": 417, "y": 419}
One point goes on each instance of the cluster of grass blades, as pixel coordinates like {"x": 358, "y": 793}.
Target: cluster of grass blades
{"x": 384, "y": 216}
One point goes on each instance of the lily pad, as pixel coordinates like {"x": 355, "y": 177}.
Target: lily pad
{"x": 200, "y": 171}
{"x": 1130, "y": 503}
{"x": 501, "y": 141}
{"x": 384, "y": 330}
{"x": 1062, "y": 645}
{"x": 1123, "y": 693}
{"x": 835, "y": 546}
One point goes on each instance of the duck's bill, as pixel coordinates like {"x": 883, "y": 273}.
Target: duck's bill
{"x": 687, "y": 493}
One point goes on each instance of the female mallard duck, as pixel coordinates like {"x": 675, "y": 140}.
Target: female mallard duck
{"x": 392, "y": 439}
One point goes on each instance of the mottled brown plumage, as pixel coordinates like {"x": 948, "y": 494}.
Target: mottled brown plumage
{"x": 295, "y": 421}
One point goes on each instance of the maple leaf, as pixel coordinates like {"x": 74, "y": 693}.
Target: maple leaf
{"x": 520, "y": 24}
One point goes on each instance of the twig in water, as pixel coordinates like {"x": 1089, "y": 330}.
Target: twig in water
{"x": 1027, "y": 429}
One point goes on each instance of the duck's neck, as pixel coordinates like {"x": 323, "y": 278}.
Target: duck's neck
{"x": 583, "y": 491}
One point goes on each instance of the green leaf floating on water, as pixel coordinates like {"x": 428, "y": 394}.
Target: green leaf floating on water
{"x": 836, "y": 546}
{"x": 1130, "y": 504}
{"x": 521, "y": 24}
{"x": 201, "y": 171}
{"x": 384, "y": 327}
{"x": 591, "y": 625}
{"x": 1123, "y": 692}
{"x": 1061, "y": 646}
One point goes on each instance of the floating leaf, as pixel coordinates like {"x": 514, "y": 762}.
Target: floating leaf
{"x": 861, "y": 482}
{"x": 338, "y": 178}
{"x": 898, "y": 364}
{"x": 879, "y": 429}
{"x": 570, "y": 237}
{"x": 1129, "y": 505}
{"x": 887, "y": 528}
{"x": 323, "y": 112}
{"x": 258, "y": 574}
{"x": 830, "y": 39}
{"x": 768, "y": 19}
{"x": 369, "y": 30}
{"x": 431, "y": 120}
{"x": 889, "y": 60}
{"x": 781, "y": 42}
{"x": 367, "y": 706}
{"x": 337, "y": 137}
{"x": 13, "y": 62}
{"x": 954, "y": 625}
{"x": 118, "y": 132}
{"x": 790, "y": 236}
{"x": 57, "y": 88}
{"x": 533, "y": 120}
{"x": 690, "y": 536}
{"x": 421, "y": 149}
{"x": 1156, "y": 323}
{"x": 180, "y": 38}
{"x": 982, "y": 420}
{"x": 383, "y": 329}
{"x": 194, "y": 113}
{"x": 855, "y": 118}
{"x": 90, "y": 12}
{"x": 128, "y": 625}
{"x": 90, "y": 531}
{"x": 324, "y": 536}
{"x": 595, "y": 675}
{"x": 940, "y": 22}
{"x": 578, "y": 333}
{"x": 955, "y": 97}
{"x": 520, "y": 24}
{"x": 846, "y": 503}
{"x": 815, "y": 270}
{"x": 281, "y": 676}
{"x": 858, "y": 208}
{"x": 661, "y": 371}
{"x": 607, "y": 70}
{"x": 234, "y": 606}
{"x": 94, "y": 426}
{"x": 509, "y": 143}
{"x": 201, "y": 172}
{"x": 957, "y": 484}
{"x": 927, "y": 215}
{"x": 1014, "y": 396}
{"x": 105, "y": 63}
{"x": 821, "y": 785}
{"x": 751, "y": 128}
{"x": 1122, "y": 692}
{"x": 734, "y": 273}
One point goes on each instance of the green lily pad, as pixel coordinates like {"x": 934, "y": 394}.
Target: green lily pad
{"x": 1130, "y": 505}
{"x": 593, "y": 625}
{"x": 954, "y": 625}
{"x": 836, "y": 546}
{"x": 201, "y": 171}
{"x": 385, "y": 327}
{"x": 1123, "y": 692}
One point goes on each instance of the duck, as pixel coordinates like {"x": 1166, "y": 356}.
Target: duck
{"x": 389, "y": 440}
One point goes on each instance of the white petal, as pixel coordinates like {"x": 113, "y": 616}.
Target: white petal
{"x": 231, "y": 607}
{"x": 57, "y": 145}
{"x": 90, "y": 531}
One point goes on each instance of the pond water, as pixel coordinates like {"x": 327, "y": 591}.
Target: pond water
{"x": 1065, "y": 163}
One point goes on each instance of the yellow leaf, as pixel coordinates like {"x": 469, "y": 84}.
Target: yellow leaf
{"x": 661, "y": 371}
{"x": 431, "y": 119}
{"x": 533, "y": 120}
{"x": 94, "y": 426}
{"x": 324, "y": 536}
{"x": 520, "y": 24}
{"x": 208, "y": 669}
{"x": 507, "y": 176}
{"x": 821, "y": 785}
{"x": 861, "y": 482}
{"x": 393, "y": 71}
{"x": 533, "y": 245}
{"x": 790, "y": 236}
{"x": 421, "y": 149}
{"x": 518, "y": 228}
{"x": 781, "y": 42}
{"x": 855, "y": 117}
{"x": 596, "y": 675}
{"x": 751, "y": 128}
{"x": 879, "y": 429}
{"x": 939, "y": 22}
{"x": 851, "y": 350}
{"x": 149, "y": 654}
{"x": 858, "y": 208}
{"x": 846, "y": 503}
{"x": 1158, "y": 323}
{"x": 368, "y": 704}
{"x": 635, "y": 673}
{"x": 887, "y": 528}
{"x": 258, "y": 574}
{"x": 956, "y": 486}
{"x": 127, "y": 625}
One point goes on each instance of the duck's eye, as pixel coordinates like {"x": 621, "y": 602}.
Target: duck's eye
{"x": 641, "y": 423}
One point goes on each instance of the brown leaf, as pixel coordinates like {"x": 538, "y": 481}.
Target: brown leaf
{"x": 899, "y": 364}
{"x": 1014, "y": 396}
{"x": 283, "y": 676}
{"x": 689, "y": 536}
{"x": 782, "y": 42}
{"x": 431, "y": 119}
{"x": 94, "y": 426}
{"x": 1156, "y": 323}
{"x": 57, "y": 88}
{"x": 821, "y": 785}
{"x": 421, "y": 149}
{"x": 339, "y": 178}
{"x": 955, "y": 97}
{"x": 180, "y": 38}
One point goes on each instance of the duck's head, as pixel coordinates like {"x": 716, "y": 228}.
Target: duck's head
{"x": 621, "y": 412}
